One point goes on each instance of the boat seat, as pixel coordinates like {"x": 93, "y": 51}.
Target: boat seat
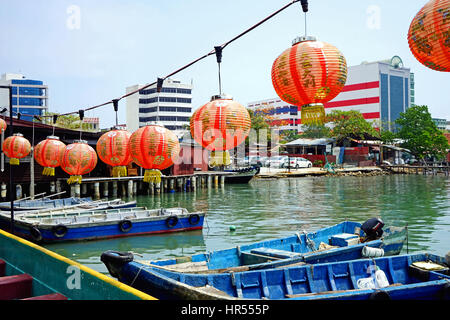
{"x": 52, "y": 296}
{"x": 276, "y": 253}
{"x": 15, "y": 287}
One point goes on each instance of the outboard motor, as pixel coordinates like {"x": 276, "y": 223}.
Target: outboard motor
{"x": 373, "y": 228}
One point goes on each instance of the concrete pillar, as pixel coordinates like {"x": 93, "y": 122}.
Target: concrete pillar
{"x": 105, "y": 189}
{"x": 114, "y": 189}
{"x": 134, "y": 188}
{"x": 97, "y": 190}
{"x": 216, "y": 181}
{"x": 171, "y": 184}
{"x": 194, "y": 183}
{"x": 124, "y": 191}
{"x": 77, "y": 190}
{"x": 3, "y": 190}
{"x": 19, "y": 192}
{"x": 72, "y": 191}
{"x": 222, "y": 181}
{"x": 151, "y": 188}
{"x": 84, "y": 189}
{"x": 58, "y": 186}
{"x": 52, "y": 187}
{"x": 130, "y": 188}
{"x": 158, "y": 188}
{"x": 209, "y": 181}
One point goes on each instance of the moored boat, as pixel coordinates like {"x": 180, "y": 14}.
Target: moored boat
{"x": 41, "y": 204}
{"x": 241, "y": 175}
{"x": 101, "y": 224}
{"x": 30, "y": 272}
{"x": 416, "y": 276}
{"x": 344, "y": 241}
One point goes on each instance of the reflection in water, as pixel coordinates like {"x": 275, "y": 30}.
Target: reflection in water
{"x": 265, "y": 209}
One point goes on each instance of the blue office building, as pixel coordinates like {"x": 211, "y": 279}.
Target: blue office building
{"x": 29, "y": 97}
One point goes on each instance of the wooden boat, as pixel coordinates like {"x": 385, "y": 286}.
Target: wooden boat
{"x": 100, "y": 224}
{"x": 343, "y": 241}
{"x": 30, "y": 272}
{"x": 242, "y": 175}
{"x": 395, "y": 277}
{"x": 41, "y": 204}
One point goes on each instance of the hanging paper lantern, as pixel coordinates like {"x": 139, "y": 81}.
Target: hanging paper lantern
{"x": 2, "y": 125}
{"x": 16, "y": 147}
{"x": 220, "y": 125}
{"x": 48, "y": 154}
{"x": 113, "y": 149}
{"x": 311, "y": 72}
{"x": 154, "y": 148}
{"x": 78, "y": 159}
{"x": 429, "y": 35}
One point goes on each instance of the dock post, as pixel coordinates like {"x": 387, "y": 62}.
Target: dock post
{"x": 134, "y": 187}
{"x": 194, "y": 183}
{"x": 105, "y": 189}
{"x": 77, "y": 190}
{"x": 124, "y": 191}
{"x": 3, "y": 192}
{"x": 166, "y": 185}
{"x": 58, "y": 186}
{"x": 222, "y": 181}
{"x": 72, "y": 191}
{"x": 171, "y": 184}
{"x": 97, "y": 190}
{"x": 158, "y": 188}
{"x": 209, "y": 181}
{"x": 130, "y": 188}
{"x": 216, "y": 181}
{"x": 52, "y": 187}
{"x": 84, "y": 189}
{"x": 114, "y": 190}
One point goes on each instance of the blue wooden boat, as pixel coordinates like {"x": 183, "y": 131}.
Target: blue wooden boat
{"x": 30, "y": 272}
{"x": 395, "y": 277}
{"x": 343, "y": 241}
{"x": 78, "y": 225}
{"x": 40, "y": 204}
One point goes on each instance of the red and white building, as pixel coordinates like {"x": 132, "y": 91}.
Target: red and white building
{"x": 379, "y": 90}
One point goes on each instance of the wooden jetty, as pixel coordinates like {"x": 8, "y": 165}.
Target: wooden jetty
{"x": 100, "y": 187}
{"x": 424, "y": 170}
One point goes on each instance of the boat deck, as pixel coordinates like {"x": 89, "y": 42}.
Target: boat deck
{"x": 20, "y": 287}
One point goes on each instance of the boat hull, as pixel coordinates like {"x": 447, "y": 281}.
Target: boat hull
{"x": 329, "y": 281}
{"x": 105, "y": 230}
{"x": 53, "y": 274}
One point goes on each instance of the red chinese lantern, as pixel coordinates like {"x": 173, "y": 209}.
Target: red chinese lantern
{"x": 311, "y": 72}
{"x": 429, "y": 35}
{"x": 154, "y": 148}
{"x": 2, "y": 125}
{"x": 48, "y": 154}
{"x": 220, "y": 125}
{"x": 78, "y": 158}
{"x": 16, "y": 147}
{"x": 113, "y": 149}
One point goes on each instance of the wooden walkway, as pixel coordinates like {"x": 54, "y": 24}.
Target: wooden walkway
{"x": 424, "y": 170}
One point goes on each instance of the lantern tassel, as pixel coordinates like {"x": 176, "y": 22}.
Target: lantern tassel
{"x": 48, "y": 171}
{"x": 14, "y": 161}
{"x": 74, "y": 179}
{"x": 119, "y": 171}
{"x": 152, "y": 176}
{"x": 220, "y": 158}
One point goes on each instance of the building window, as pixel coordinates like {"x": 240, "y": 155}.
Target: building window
{"x": 168, "y": 118}
{"x": 184, "y": 100}
{"x": 184, "y": 91}
{"x": 148, "y": 101}
{"x": 167, "y": 99}
{"x": 147, "y": 91}
{"x": 183, "y": 109}
{"x": 147, "y": 119}
{"x": 169, "y": 90}
{"x": 168, "y": 109}
{"x": 147, "y": 110}
{"x": 185, "y": 119}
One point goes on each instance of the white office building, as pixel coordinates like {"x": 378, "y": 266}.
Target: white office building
{"x": 172, "y": 107}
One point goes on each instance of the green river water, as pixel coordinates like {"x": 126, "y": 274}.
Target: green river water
{"x": 265, "y": 209}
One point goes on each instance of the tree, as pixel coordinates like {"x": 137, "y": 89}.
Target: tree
{"x": 420, "y": 134}
{"x": 351, "y": 124}
{"x": 70, "y": 121}
{"x": 316, "y": 131}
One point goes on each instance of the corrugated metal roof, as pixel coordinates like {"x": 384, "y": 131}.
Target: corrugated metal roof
{"x": 310, "y": 142}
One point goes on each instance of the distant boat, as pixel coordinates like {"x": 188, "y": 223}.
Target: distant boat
{"x": 30, "y": 272}
{"x": 385, "y": 278}
{"x": 241, "y": 175}
{"x": 77, "y": 225}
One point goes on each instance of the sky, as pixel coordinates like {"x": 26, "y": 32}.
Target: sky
{"x": 88, "y": 52}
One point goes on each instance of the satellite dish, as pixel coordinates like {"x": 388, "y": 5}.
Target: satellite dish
{"x": 396, "y": 62}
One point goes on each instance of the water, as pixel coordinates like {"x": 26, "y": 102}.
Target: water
{"x": 266, "y": 209}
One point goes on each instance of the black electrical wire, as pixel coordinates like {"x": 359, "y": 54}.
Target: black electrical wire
{"x": 212, "y": 52}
